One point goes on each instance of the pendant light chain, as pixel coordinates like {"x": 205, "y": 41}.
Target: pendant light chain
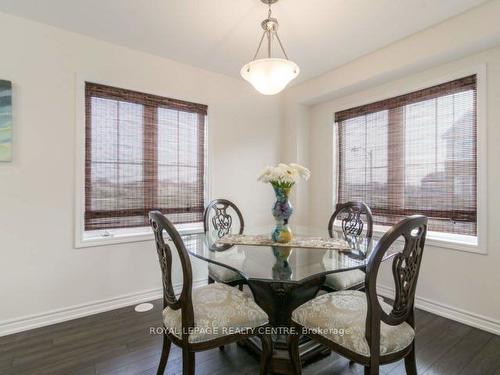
{"x": 269, "y": 40}
{"x": 281, "y": 45}
{"x": 269, "y": 33}
{"x": 269, "y": 75}
{"x": 260, "y": 44}
{"x": 269, "y": 37}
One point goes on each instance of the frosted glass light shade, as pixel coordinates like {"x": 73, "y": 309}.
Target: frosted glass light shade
{"x": 270, "y": 76}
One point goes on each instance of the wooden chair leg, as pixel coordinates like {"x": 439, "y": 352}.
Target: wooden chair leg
{"x": 164, "y": 355}
{"x": 188, "y": 362}
{"x": 374, "y": 367}
{"x": 267, "y": 353}
{"x": 371, "y": 370}
{"x": 293, "y": 351}
{"x": 410, "y": 362}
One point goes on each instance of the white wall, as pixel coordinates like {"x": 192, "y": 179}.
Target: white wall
{"x": 460, "y": 285}
{"x": 40, "y": 270}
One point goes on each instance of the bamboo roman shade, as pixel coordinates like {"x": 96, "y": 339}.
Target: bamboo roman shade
{"x": 413, "y": 154}
{"x": 143, "y": 152}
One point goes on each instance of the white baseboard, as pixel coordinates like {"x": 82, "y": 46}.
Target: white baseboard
{"x": 60, "y": 315}
{"x": 450, "y": 312}
{"x": 25, "y": 323}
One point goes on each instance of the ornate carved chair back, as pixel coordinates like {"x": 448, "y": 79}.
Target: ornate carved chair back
{"x": 354, "y": 218}
{"x": 162, "y": 225}
{"x": 411, "y": 233}
{"x": 221, "y": 215}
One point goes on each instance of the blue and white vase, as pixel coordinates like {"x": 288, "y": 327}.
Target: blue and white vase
{"x": 282, "y": 211}
{"x": 282, "y": 269}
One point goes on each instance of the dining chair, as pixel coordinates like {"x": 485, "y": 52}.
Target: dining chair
{"x": 351, "y": 216}
{"x": 358, "y": 325}
{"x": 206, "y": 317}
{"x": 221, "y": 217}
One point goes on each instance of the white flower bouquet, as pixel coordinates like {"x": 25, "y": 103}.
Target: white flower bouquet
{"x": 282, "y": 178}
{"x": 284, "y": 175}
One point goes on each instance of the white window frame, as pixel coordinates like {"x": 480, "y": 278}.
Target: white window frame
{"x": 473, "y": 244}
{"x": 82, "y": 238}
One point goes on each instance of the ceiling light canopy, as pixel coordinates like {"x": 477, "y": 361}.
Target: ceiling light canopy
{"x": 270, "y": 75}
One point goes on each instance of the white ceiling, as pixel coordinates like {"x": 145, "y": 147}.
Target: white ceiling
{"x": 222, "y": 35}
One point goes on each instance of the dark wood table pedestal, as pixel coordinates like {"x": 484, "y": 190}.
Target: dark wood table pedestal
{"x": 309, "y": 350}
{"x": 278, "y": 300}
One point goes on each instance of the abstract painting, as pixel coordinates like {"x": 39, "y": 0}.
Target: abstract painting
{"x": 5, "y": 121}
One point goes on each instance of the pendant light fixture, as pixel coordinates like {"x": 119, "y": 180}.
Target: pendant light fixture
{"x": 270, "y": 75}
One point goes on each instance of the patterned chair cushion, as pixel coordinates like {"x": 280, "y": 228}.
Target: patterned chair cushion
{"x": 345, "y": 280}
{"x": 219, "y": 310}
{"x": 222, "y": 274}
{"x": 341, "y": 318}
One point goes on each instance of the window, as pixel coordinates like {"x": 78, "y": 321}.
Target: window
{"x": 414, "y": 154}
{"x": 142, "y": 152}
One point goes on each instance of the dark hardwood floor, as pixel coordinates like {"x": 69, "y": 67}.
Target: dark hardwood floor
{"x": 119, "y": 343}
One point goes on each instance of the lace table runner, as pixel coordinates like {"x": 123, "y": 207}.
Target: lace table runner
{"x": 263, "y": 240}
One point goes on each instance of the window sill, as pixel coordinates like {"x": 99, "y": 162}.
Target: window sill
{"x": 118, "y": 236}
{"x": 437, "y": 239}
{"x": 443, "y": 240}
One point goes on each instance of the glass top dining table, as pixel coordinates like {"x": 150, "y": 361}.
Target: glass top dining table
{"x": 281, "y": 278}
{"x": 284, "y": 263}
